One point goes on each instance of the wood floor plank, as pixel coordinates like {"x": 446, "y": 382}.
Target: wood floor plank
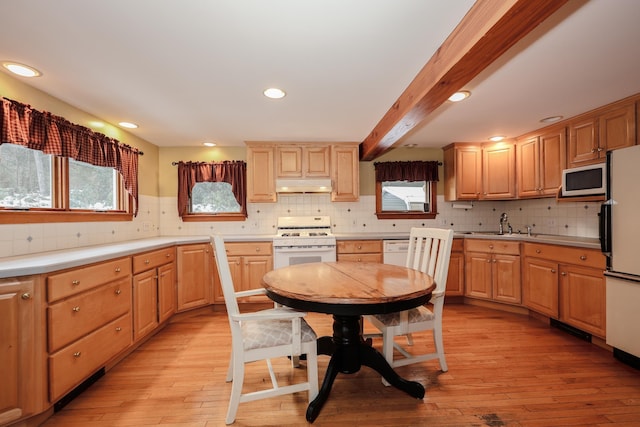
{"x": 505, "y": 369}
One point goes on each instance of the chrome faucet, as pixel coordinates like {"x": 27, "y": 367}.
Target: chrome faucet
{"x": 528, "y": 230}
{"x": 503, "y": 220}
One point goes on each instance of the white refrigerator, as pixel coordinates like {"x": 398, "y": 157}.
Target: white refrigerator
{"x": 620, "y": 239}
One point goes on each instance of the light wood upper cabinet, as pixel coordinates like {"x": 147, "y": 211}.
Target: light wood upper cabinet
{"x": 498, "y": 171}
{"x": 261, "y": 184}
{"x": 463, "y": 172}
{"x": 23, "y": 371}
{"x": 540, "y": 161}
{"x": 480, "y": 171}
{"x": 591, "y": 136}
{"x": 300, "y": 161}
{"x": 345, "y": 172}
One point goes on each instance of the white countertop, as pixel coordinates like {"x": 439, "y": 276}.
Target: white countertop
{"x": 45, "y": 262}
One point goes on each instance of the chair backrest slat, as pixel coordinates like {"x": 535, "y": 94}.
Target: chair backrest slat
{"x": 429, "y": 251}
{"x": 224, "y": 272}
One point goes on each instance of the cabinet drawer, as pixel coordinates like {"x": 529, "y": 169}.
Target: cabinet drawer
{"x": 153, "y": 259}
{"x": 492, "y": 246}
{"x": 81, "y": 279}
{"x": 360, "y": 257}
{"x": 566, "y": 255}
{"x": 359, "y": 246}
{"x": 75, "y": 317}
{"x": 73, "y": 364}
{"x": 248, "y": 248}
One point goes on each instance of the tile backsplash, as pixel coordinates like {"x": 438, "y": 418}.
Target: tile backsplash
{"x": 158, "y": 216}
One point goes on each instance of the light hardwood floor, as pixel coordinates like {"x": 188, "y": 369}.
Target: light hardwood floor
{"x": 504, "y": 370}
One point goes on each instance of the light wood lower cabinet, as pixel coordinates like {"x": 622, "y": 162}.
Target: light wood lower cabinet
{"x": 88, "y": 321}
{"x": 493, "y": 270}
{"x": 359, "y": 250}
{"x": 22, "y": 354}
{"x": 195, "y": 281}
{"x": 248, "y": 262}
{"x": 154, "y": 290}
{"x": 566, "y": 283}
{"x": 455, "y": 277}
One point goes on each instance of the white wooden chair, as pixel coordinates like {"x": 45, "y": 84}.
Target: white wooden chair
{"x": 429, "y": 251}
{"x": 262, "y": 335}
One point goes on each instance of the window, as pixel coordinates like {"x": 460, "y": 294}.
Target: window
{"x": 38, "y": 187}
{"x": 213, "y": 197}
{"x": 406, "y": 190}
{"x": 212, "y": 191}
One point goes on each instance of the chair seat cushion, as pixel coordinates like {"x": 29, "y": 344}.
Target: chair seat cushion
{"x": 416, "y": 315}
{"x": 271, "y": 333}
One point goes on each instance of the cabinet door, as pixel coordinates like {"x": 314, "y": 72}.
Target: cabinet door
{"x": 506, "y": 278}
{"x": 261, "y": 184}
{"x": 253, "y": 268}
{"x": 528, "y": 158}
{"x": 499, "y": 171}
{"x": 478, "y": 275}
{"x": 145, "y": 303}
{"x": 468, "y": 173}
{"x": 553, "y": 159}
{"x": 540, "y": 287}
{"x": 583, "y": 142}
{"x": 166, "y": 291}
{"x": 289, "y": 161}
{"x": 455, "y": 277}
{"x": 194, "y": 276}
{"x": 583, "y": 299}
{"x": 345, "y": 173}
{"x": 316, "y": 161}
{"x": 617, "y": 129}
{"x": 22, "y": 389}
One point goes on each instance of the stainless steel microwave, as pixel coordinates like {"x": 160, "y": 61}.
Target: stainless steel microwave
{"x": 585, "y": 180}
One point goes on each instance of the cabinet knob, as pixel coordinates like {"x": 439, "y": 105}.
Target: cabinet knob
{"x": 494, "y": 261}
{"x": 583, "y": 257}
{"x": 168, "y": 255}
{"x": 26, "y": 295}
{"x": 553, "y": 270}
{"x": 75, "y": 282}
{"x": 146, "y": 261}
{"x": 593, "y": 150}
{"x": 257, "y": 249}
{"x": 490, "y": 246}
{"x": 359, "y": 246}
{"x": 118, "y": 329}
{"x": 564, "y": 273}
{"x": 118, "y": 291}
{"x": 488, "y": 260}
{"x": 359, "y": 259}
{"x": 117, "y": 269}
{"x": 77, "y": 354}
{"x": 599, "y": 149}
{"x": 76, "y": 309}
{"x": 538, "y": 251}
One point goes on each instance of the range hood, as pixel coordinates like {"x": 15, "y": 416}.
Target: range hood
{"x": 303, "y": 185}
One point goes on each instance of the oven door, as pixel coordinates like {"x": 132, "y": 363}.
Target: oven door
{"x": 284, "y": 256}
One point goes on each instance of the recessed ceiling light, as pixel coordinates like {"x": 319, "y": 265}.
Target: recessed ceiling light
{"x": 551, "y": 119}
{"x": 128, "y": 125}
{"x": 274, "y": 93}
{"x": 459, "y": 96}
{"x": 411, "y": 145}
{"x": 497, "y": 138}
{"x": 21, "y": 69}
{"x": 209, "y": 144}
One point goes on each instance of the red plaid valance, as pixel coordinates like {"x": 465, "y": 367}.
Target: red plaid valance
{"x": 43, "y": 131}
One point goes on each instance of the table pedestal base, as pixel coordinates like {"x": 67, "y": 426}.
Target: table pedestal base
{"x": 349, "y": 352}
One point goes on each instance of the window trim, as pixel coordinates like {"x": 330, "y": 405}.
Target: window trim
{"x": 407, "y": 214}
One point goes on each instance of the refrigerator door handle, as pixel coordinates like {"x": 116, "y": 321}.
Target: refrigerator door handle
{"x": 605, "y": 228}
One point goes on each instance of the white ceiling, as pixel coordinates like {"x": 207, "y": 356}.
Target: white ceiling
{"x": 194, "y": 71}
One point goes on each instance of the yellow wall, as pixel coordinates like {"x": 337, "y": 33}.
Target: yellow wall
{"x": 17, "y": 90}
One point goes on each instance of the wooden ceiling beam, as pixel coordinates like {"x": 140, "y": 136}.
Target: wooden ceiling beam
{"x": 487, "y": 31}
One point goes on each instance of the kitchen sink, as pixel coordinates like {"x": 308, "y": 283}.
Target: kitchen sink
{"x": 492, "y": 233}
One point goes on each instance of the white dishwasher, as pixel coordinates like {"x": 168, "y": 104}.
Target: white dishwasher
{"x": 395, "y": 252}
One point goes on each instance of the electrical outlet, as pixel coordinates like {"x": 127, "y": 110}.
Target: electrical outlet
{"x": 550, "y": 222}
{"x": 443, "y": 221}
{"x": 146, "y": 226}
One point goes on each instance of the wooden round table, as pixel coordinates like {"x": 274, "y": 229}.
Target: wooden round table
{"x": 348, "y": 290}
